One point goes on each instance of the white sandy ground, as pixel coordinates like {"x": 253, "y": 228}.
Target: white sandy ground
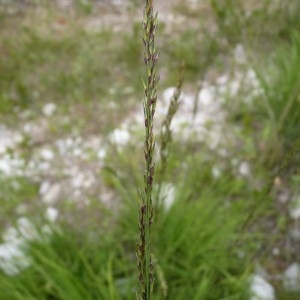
{"x": 261, "y": 289}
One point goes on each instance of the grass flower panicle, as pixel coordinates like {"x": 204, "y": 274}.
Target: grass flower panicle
{"x": 166, "y": 133}
{"x": 145, "y": 264}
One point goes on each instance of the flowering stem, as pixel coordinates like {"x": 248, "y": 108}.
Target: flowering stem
{"x": 145, "y": 265}
{"x": 166, "y": 136}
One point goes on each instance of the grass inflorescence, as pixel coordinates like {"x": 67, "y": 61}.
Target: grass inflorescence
{"x": 145, "y": 262}
{"x": 166, "y": 134}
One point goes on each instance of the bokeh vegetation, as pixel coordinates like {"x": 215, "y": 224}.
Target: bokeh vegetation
{"x": 221, "y": 225}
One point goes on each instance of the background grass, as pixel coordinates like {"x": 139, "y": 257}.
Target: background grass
{"x": 218, "y": 229}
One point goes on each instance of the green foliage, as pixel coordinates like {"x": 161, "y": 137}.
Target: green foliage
{"x": 62, "y": 68}
{"x": 252, "y": 22}
{"x": 191, "y": 246}
{"x": 229, "y": 15}
{"x": 193, "y": 252}
{"x": 70, "y": 266}
{"x": 196, "y": 55}
{"x": 279, "y": 103}
{"x": 15, "y": 191}
{"x": 282, "y": 90}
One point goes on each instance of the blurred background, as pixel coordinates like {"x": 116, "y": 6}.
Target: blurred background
{"x": 71, "y": 149}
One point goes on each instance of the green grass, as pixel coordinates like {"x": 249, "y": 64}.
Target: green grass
{"x": 283, "y": 90}
{"x": 101, "y": 264}
{"x": 60, "y": 67}
{"x": 16, "y": 191}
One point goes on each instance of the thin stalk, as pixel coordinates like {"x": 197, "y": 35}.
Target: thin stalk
{"x": 145, "y": 265}
{"x": 166, "y": 135}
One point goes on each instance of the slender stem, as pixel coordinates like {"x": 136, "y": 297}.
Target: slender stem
{"x": 145, "y": 265}
{"x": 166, "y": 135}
